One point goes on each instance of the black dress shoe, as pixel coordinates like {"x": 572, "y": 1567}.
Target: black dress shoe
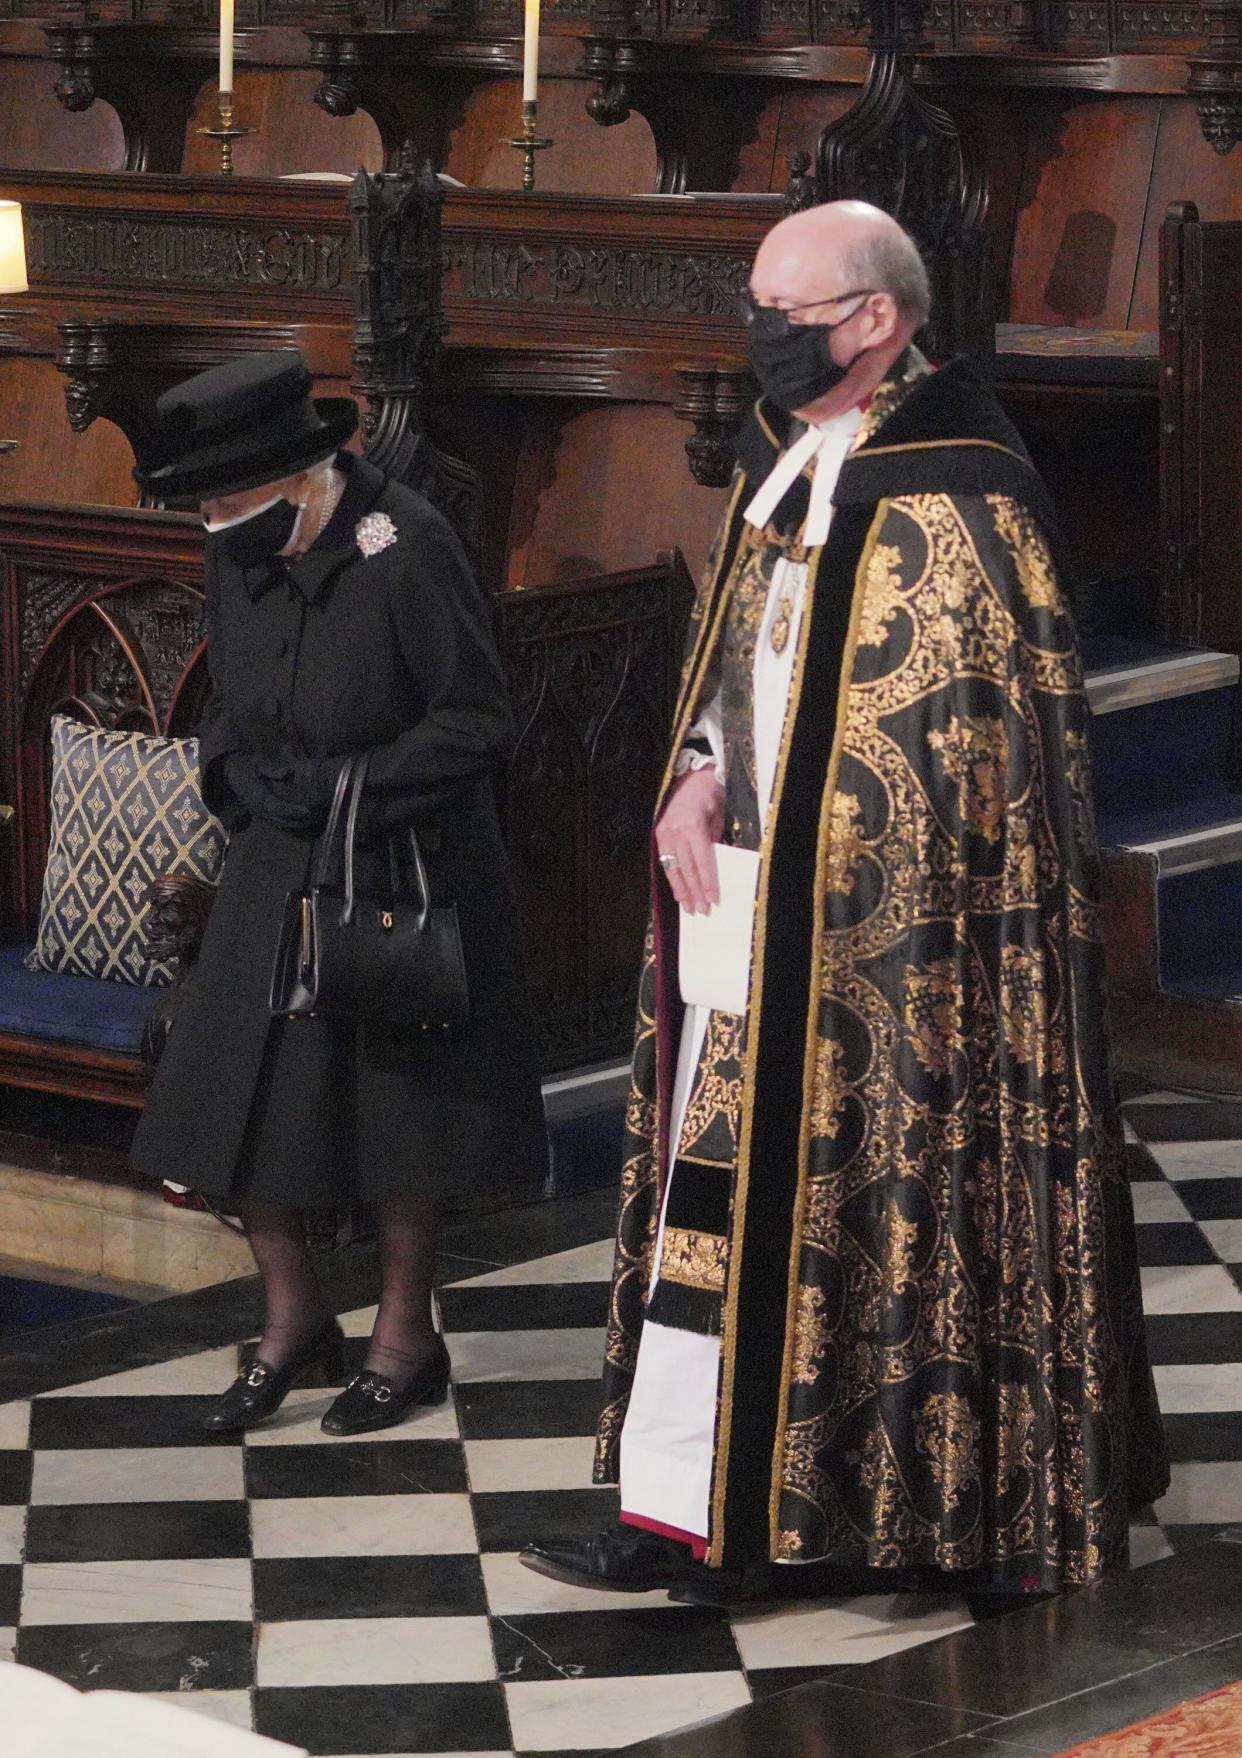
{"x": 371, "y": 1401}
{"x": 259, "y": 1390}
{"x": 623, "y": 1559}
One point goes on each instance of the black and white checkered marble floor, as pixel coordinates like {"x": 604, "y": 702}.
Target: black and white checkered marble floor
{"x": 364, "y": 1596}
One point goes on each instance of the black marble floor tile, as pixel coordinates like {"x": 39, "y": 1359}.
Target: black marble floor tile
{"x": 508, "y": 1519}
{"x": 501, "y": 1410}
{"x": 973, "y": 1746}
{"x": 142, "y": 1657}
{"x": 1212, "y": 1120}
{"x": 766, "y": 1681}
{"x": 519, "y": 1234}
{"x": 1172, "y": 1242}
{"x": 130, "y": 1531}
{"x": 1141, "y": 1165}
{"x": 386, "y": 1718}
{"x": 1013, "y": 1664}
{"x": 1209, "y": 1434}
{"x": 1213, "y": 1199}
{"x": 1190, "y": 1538}
{"x": 291, "y": 1588}
{"x": 1091, "y": 1713}
{"x": 1207, "y": 1337}
{"x": 123, "y": 1422}
{"x": 818, "y": 1721}
{"x": 617, "y": 1644}
{"x": 540, "y": 1306}
{"x": 363, "y": 1468}
{"x": 454, "y": 1267}
{"x": 10, "y": 1593}
{"x": 15, "y": 1469}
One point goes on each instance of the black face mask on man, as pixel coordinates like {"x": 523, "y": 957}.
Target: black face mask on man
{"x": 793, "y": 362}
{"x": 258, "y": 536}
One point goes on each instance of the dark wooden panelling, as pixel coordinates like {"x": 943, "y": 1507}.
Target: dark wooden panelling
{"x": 36, "y": 132}
{"x": 586, "y": 158}
{"x": 291, "y": 132}
{"x": 1081, "y": 212}
{"x": 1186, "y": 169}
{"x": 52, "y": 463}
{"x": 617, "y": 491}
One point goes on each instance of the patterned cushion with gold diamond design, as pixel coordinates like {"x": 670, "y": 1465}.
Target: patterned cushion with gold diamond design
{"x": 125, "y": 809}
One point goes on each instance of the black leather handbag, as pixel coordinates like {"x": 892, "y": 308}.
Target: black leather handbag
{"x": 395, "y": 961}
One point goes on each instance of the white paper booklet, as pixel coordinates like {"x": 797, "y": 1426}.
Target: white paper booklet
{"x": 713, "y": 956}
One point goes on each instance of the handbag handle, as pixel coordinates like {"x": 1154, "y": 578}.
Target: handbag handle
{"x": 320, "y": 875}
{"x": 355, "y": 772}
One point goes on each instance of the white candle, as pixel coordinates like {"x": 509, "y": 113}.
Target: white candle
{"x": 226, "y": 45}
{"x": 530, "y": 59}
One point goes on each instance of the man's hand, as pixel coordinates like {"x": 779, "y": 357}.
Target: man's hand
{"x": 691, "y": 823}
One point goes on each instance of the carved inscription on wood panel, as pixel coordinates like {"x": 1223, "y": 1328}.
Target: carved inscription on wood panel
{"x": 646, "y": 283}
{"x": 173, "y": 253}
{"x": 1136, "y": 22}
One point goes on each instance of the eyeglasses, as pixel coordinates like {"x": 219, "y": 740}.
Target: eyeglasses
{"x": 748, "y": 308}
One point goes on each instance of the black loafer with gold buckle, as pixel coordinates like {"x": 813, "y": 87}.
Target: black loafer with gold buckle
{"x": 260, "y": 1390}
{"x": 371, "y": 1400}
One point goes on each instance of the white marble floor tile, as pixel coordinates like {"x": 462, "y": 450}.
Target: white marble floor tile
{"x": 8, "y": 1644}
{"x": 375, "y": 1651}
{"x": 1157, "y": 1201}
{"x": 137, "y": 1592}
{"x": 1202, "y": 1493}
{"x": 1148, "y": 1544}
{"x": 15, "y": 1423}
{"x": 1163, "y": 1098}
{"x": 1186, "y": 1390}
{"x": 1198, "y": 1159}
{"x": 846, "y": 1632}
{"x": 296, "y": 1424}
{"x": 137, "y": 1474}
{"x": 421, "y": 1755}
{"x": 360, "y": 1322}
{"x": 562, "y": 1715}
{"x": 1225, "y": 1239}
{"x": 363, "y": 1526}
{"x": 584, "y": 1263}
{"x": 573, "y": 1354}
{"x": 210, "y": 1371}
{"x": 561, "y": 1462}
{"x": 513, "y": 1591}
{"x": 231, "y": 1707}
{"x": 12, "y": 1533}
{"x": 1174, "y": 1288}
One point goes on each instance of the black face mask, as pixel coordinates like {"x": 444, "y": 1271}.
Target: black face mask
{"x": 260, "y": 537}
{"x": 792, "y": 361}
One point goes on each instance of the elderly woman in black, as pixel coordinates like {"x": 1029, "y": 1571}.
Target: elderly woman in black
{"x": 341, "y": 618}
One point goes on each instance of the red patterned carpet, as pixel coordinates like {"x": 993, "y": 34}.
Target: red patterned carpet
{"x": 1204, "y": 1727}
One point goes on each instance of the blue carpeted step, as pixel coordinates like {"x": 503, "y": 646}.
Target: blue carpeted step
{"x": 1185, "y": 836}
{"x": 1162, "y": 724}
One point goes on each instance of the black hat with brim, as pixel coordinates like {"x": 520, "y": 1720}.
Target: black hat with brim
{"x": 240, "y": 425}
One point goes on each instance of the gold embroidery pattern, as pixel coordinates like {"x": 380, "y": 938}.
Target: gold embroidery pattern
{"x": 716, "y": 1097}
{"x": 696, "y": 1260}
{"x": 946, "y": 1432}
{"x": 934, "y": 1012}
{"x": 975, "y": 752}
{"x": 846, "y": 843}
{"x": 963, "y": 1352}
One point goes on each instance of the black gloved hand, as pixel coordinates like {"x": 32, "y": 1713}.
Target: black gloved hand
{"x": 265, "y": 797}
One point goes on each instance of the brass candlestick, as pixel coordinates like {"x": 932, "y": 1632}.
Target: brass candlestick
{"x": 226, "y": 133}
{"x": 528, "y": 142}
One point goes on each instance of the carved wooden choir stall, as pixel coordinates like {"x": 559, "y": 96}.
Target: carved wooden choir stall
{"x": 563, "y": 373}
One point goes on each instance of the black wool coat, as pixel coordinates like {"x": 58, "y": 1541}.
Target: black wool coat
{"x": 336, "y": 652}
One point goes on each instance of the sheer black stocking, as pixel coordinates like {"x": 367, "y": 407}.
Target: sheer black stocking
{"x": 294, "y": 1302}
{"x": 404, "y": 1337}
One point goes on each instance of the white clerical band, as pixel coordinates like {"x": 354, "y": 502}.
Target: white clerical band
{"x": 828, "y": 446}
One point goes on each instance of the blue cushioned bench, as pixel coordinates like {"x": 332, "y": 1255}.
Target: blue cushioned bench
{"x": 99, "y": 1023}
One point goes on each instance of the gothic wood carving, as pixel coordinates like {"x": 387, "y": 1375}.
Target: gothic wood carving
{"x": 717, "y": 402}
{"x": 1216, "y": 76}
{"x": 399, "y": 326}
{"x": 593, "y": 669}
{"x": 901, "y": 153}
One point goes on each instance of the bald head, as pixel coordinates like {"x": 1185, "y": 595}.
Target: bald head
{"x": 845, "y": 242}
{"x": 849, "y": 268}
